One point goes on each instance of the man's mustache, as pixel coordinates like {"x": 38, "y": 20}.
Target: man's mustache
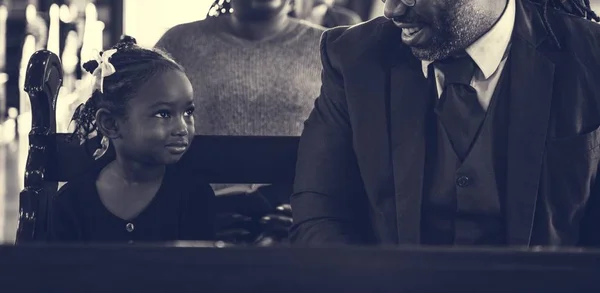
{"x": 408, "y": 19}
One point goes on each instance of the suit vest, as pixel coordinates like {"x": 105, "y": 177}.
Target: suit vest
{"x": 463, "y": 201}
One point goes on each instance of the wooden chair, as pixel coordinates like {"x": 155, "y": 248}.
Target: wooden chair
{"x": 54, "y": 158}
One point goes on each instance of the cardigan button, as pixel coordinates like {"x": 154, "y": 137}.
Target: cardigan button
{"x": 129, "y": 227}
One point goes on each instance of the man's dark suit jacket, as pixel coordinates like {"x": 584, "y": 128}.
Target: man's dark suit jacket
{"x": 360, "y": 170}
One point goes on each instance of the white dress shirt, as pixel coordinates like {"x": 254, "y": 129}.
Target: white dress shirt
{"x": 489, "y": 53}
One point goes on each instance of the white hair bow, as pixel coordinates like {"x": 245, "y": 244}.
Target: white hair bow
{"x": 104, "y": 69}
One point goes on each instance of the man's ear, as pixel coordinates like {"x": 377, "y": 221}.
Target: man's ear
{"x": 107, "y": 123}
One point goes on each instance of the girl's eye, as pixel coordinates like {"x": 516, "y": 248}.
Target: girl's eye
{"x": 162, "y": 114}
{"x": 189, "y": 112}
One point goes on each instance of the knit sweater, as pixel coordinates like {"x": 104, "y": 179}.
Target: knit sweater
{"x": 244, "y": 87}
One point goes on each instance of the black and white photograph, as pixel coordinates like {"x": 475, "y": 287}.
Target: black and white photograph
{"x": 290, "y": 146}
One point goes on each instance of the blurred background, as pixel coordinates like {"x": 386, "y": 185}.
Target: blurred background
{"x": 74, "y": 30}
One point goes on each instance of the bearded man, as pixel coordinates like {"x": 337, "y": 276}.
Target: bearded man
{"x": 455, "y": 122}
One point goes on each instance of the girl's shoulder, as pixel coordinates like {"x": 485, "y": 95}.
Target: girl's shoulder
{"x": 78, "y": 188}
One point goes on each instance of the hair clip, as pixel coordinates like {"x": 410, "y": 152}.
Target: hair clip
{"x": 104, "y": 69}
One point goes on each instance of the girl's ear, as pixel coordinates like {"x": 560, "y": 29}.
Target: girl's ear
{"x": 107, "y": 123}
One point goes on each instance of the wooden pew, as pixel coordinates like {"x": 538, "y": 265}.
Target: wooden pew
{"x": 115, "y": 269}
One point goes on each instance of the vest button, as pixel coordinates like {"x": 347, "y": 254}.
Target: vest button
{"x": 463, "y": 181}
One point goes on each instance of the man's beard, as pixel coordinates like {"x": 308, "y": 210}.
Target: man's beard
{"x": 453, "y": 32}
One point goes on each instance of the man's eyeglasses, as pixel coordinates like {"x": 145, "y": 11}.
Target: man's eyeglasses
{"x": 410, "y": 3}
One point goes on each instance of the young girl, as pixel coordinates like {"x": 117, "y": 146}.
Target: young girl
{"x": 142, "y": 106}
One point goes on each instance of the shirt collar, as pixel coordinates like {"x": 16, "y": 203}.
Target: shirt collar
{"x": 489, "y": 50}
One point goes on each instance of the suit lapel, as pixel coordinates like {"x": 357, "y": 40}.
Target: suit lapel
{"x": 370, "y": 79}
{"x": 408, "y": 99}
{"x": 532, "y": 76}
{"x": 408, "y": 112}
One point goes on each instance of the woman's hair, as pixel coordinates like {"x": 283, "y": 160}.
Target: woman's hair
{"x": 134, "y": 66}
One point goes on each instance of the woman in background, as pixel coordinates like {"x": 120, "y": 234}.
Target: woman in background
{"x": 258, "y": 70}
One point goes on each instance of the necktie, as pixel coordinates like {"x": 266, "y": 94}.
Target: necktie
{"x": 458, "y": 107}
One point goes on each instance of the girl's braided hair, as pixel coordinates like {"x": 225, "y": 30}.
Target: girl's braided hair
{"x": 134, "y": 66}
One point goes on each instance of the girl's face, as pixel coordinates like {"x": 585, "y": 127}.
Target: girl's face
{"x": 159, "y": 125}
